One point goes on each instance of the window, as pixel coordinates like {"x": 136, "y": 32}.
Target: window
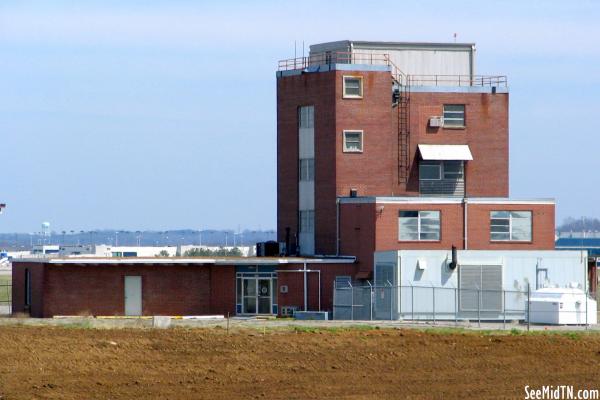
{"x": 306, "y": 116}
{"x": 353, "y": 141}
{"x": 430, "y": 171}
{"x": 453, "y": 170}
{"x": 353, "y": 87}
{"x": 454, "y": 115}
{"x": 436, "y": 170}
{"x": 307, "y": 169}
{"x": 510, "y": 225}
{"x": 419, "y": 225}
{"x": 27, "y": 287}
{"x": 307, "y": 221}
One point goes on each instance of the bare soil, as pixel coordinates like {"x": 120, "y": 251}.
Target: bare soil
{"x": 76, "y": 363}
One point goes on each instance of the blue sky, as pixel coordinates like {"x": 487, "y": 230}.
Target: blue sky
{"x": 161, "y": 114}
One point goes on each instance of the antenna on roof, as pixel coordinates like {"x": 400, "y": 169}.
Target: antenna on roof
{"x": 295, "y": 50}
{"x": 455, "y": 34}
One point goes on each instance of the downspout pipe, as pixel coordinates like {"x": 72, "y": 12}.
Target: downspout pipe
{"x": 466, "y": 222}
{"x": 337, "y": 226}
{"x": 305, "y": 288}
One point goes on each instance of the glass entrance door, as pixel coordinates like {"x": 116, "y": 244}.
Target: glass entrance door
{"x": 257, "y": 295}
{"x": 249, "y": 293}
{"x": 264, "y": 296}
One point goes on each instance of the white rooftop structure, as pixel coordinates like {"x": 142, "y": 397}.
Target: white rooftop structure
{"x": 412, "y": 58}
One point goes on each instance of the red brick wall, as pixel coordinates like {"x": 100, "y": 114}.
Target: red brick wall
{"x": 222, "y": 290}
{"x": 292, "y": 92}
{"x": 370, "y": 172}
{"x": 37, "y": 287}
{"x": 486, "y": 133}
{"x": 542, "y": 227}
{"x": 295, "y": 283}
{"x": 451, "y": 234}
{"x": 99, "y": 289}
{"x": 357, "y": 233}
{"x": 375, "y": 171}
{"x": 366, "y": 228}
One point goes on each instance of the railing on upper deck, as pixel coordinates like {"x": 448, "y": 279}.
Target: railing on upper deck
{"x": 346, "y": 57}
{"x": 457, "y": 80}
{"x": 334, "y": 57}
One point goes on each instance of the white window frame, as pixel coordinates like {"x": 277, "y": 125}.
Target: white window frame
{"x": 345, "y": 146}
{"x": 441, "y": 165}
{"x": 510, "y": 225}
{"x": 463, "y": 113}
{"x": 419, "y": 232}
{"x": 352, "y": 96}
{"x": 306, "y": 170}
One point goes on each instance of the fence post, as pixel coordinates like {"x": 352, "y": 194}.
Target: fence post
{"x": 504, "y": 309}
{"x": 433, "y": 291}
{"x": 370, "y": 301}
{"x": 391, "y": 302}
{"x": 528, "y": 305}
{"x": 412, "y": 301}
{"x": 586, "y": 309}
{"x": 351, "y": 302}
{"x": 479, "y": 308}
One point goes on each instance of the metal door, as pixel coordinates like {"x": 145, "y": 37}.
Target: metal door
{"x": 249, "y": 296}
{"x": 133, "y": 295}
{"x": 264, "y": 296}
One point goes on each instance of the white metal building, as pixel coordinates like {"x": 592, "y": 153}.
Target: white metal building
{"x": 487, "y": 284}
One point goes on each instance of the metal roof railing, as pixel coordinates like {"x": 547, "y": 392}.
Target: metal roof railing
{"x": 333, "y": 57}
{"x": 345, "y": 57}
{"x": 457, "y": 80}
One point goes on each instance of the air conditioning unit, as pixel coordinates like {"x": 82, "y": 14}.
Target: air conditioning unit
{"x": 436, "y": 122}
{"x": 288, "y": 311}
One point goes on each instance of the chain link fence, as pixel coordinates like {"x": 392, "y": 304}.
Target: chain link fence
{"x": 359, "y": 301}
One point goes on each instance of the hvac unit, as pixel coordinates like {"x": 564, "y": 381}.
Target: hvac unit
{"x": 288, "y": 311}
{"x": 562, "y": 306}
{"x": 436, "y": 122}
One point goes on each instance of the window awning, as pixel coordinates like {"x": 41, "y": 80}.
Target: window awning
{"x": 459, "y": 152}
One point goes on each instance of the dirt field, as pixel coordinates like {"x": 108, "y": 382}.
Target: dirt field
{"x": 76, "y": 363}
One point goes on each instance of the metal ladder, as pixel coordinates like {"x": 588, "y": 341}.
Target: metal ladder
{"x": 403, "y": 108}
{"x": 401, "y": 100}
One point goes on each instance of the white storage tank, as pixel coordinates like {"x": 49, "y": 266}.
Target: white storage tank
{"x": 562, "y": 306}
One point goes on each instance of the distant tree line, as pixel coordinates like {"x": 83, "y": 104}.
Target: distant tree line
{"x": 579, "y": 224}
{"x": 221, "y": 252}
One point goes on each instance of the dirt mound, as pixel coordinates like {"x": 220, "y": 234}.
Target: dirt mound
{"x": 52, "y": 363}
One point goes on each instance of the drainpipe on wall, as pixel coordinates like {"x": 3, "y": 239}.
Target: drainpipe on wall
{"x": 305, "y": 288}
{"x": 337, "y": 227}
{"x": 465, "y": 228}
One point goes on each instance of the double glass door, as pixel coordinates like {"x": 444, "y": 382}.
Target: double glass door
{"x": 257, "y": 295}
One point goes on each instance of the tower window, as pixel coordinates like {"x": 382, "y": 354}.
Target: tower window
{"x": 353, "y": 87}
{"x": 454, "y": 115}
{"x": 353, "y": 141}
